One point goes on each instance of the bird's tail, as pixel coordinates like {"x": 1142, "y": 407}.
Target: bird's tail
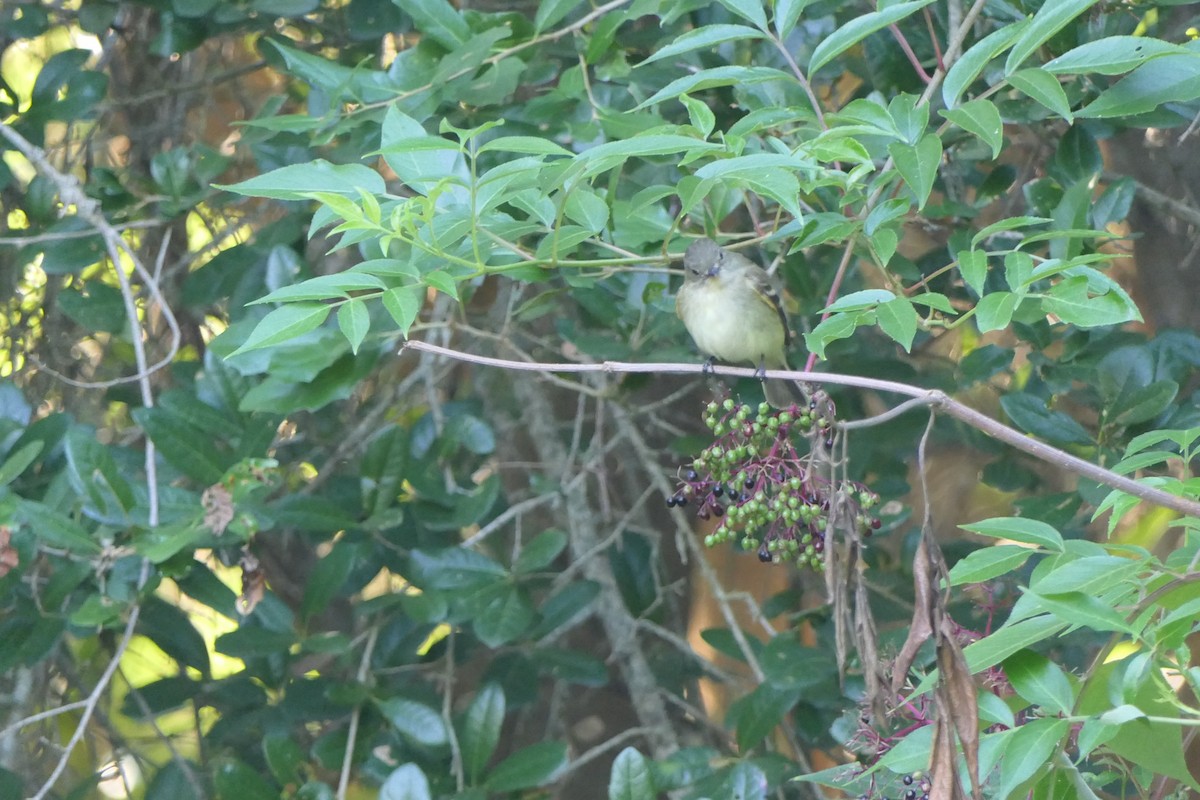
{"x": 781, "y": 393}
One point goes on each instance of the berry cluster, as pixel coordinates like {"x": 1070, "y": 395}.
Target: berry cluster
{"x": 916, "y": 787}
{"x": 762, "y": 488}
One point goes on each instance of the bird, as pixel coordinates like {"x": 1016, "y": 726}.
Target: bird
{"x": 731, "y": 308}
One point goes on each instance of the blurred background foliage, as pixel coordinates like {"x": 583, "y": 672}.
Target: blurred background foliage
{"x": 353, "y": 574}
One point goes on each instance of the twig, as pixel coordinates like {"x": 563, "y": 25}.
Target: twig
{"x": 932, "y": 398}
{"x": 364, "y": 669}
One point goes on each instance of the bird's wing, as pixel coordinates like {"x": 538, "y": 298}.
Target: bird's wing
{"x": 766, "y": 289}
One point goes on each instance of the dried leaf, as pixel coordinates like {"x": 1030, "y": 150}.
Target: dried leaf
{"x": 218, "y": 508}
{"x": 958, "y": 689}
{"x": 254, "y": 583}
{"x": 925, "y": 583}
{"x": 9, "y": 558}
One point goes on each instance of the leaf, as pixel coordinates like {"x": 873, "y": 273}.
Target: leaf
{"x": 1040, "y": 681}
{"x": 1069, "y": 300}
{"x": 631, "y": 777}
{"x": 533, "y": 145}
{"x": 1170, "y": 79}
{"x": 404, "y": 303}
{"x": 987, "y": 563}
{"x": 982, "y": 118}
{"x": 1077, "y": 608}
{"x": 454, "y": 569}
{"x": 898, "y": 319}
{"x": 1044, "y": 88}
{"x": 1019, "y": 529}
{"x": 760, "y": 712}
{"x": 17, "y": 463}
{"x": 994, "y": 311}
{"x": 964, "y": 71}
{"x": 1051, "y": 18}
{"x": 1112, "y": 55}
{"x": 481, "y": 724}
{"x": 1030, "y": 748}
{"x": 972, "y": 264}
{"x": 859, "y": 28}
{"x": 550, "y": 12}
{"x": 323, "y": 287}
{"x": 918, "y": 165}
{"x": 1031, "y": 414}
{"x": 440, "y": 21}
{"x": 327, "y": 578}
{"x": 529, "y": 767}
{"x": 605, "y": 156}
{"x": 416, "y": 722}
{"x": 354, "y": 321}
{"x": 295, "y": 181}
{"x": 751, "y": 10}
{"x": 704, "y": 38}
{"x": 540, "y": 552}
{"x": 283, "y": 324}
{"x": 787, "y": 14}
{"x": 712, "y": 78}
{"x": 407, "y": 782}
{"x": 55, "y": 529}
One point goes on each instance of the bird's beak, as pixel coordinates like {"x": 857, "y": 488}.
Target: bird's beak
{"x": 712, "y": 271}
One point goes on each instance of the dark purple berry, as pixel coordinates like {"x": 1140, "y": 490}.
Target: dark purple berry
{"x": 749, "y": 484}
{"x": 691, "y": 475}
{"x": 672, "y": 501}
{"x": 908, "y": 779}
{"x": 764, "y": 555}
{"x": 718, "y": 490}
{"x": 718, "y": 509}
{"x": 703, "y": 513}
{"x": 876, "y": 523}
{"x": 911, "y": 794}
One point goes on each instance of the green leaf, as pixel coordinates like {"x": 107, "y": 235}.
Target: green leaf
{"x": 235, "y": 779}
{"x": 838, "y": 326}
{"x": 17, "y": 463}
{"x": 55, "y": 529}
{"x": 354, "y": 321}
{"x": 1050, "y": 18}
{"x": 1112, "y": 55}
{"x": 1040, "y": 681}
{"x": 550, "y": 12}
{"x": 701, "y": 116}
{"x": 1069, "y": 300}
{"x": 507, "y": 614}
{"x": 989, "y": 562}
{"x": 995, "y": 310}
{"x": 323, "y": 287}
{"x": 327, "y": 578}
{"x": 533, "y": 145}
{"x": 608, "y": 155}
{"x": 284, "y": 757}
{"x": 918, "y": 165}
{"x": 750, "y": 10}
{"x": 481, "y": 725}
{"x": 787, "y": 14}
{"x": 1089, "y": 574}
{"x": 440, "y": 21}
{"x": 859, "y": 28}
{"x": 860, "y": 300}
{"x": 972, "y": 264}
{"x": 1006, "y": 224}
{"x": 586, "y": 208}
{"x": 1031, "y": 414}
{"x": 540, "y": 552}
{"x": 898, "y": 319}
{"x": 758, "y": 713}
{"x": 529, "y": 767}
{"x": 1030, "y": 748}
{"x": 407, "y": 782}
{"x": 1077, "y": 608}
{"x": 713, "y": 78}
{"x": 1019, "y": 529}
{"x": 964, "y": 71}
{"x": 294, "y": 182}
{"x": 416, "y": 722}
{"x": 981, "y": 118}
{"x": 189, "y": 449}
{"x": 404, "y": 303}
{"x": 284, "y": 324}
{"x": 704, "y": 38}
{"x": 1044, "y": 88}
{"x": 454, "y": 569}
{"x": 1170, "y": 79}
{"x": 745, "y": 782}
{"x": 631, "y": 777}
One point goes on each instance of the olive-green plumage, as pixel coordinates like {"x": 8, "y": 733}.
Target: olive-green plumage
{"x": 731, "y": 308}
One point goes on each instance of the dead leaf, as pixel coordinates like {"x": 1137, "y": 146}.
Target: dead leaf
{"x": 218, "y": 508}
{"x": 254, "y": 583}
{"x": 9, "y": 558}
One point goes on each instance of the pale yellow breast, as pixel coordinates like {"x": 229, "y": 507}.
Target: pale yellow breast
{"x": 732, "y": 323}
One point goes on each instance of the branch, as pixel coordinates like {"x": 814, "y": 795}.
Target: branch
{"x": 933, "y": 399}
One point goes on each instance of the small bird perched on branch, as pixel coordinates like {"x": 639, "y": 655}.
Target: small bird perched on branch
{"x": 732, "y": 310}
